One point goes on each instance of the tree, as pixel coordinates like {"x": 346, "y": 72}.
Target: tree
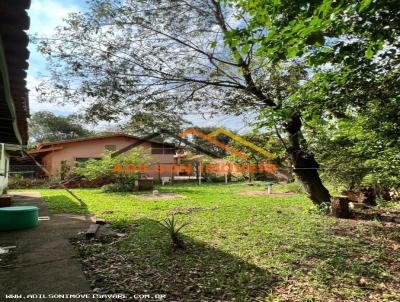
{"x": 360, "y": 149}
{"x": 197, "y": 162}
{"x": 321, "y": 31}
{"x": 126, "y": 57}
{"x": 146, "y": 123}
{"x": 44, "y": 127}
{"x": 268, "y": 142}
{"x": 218, "y": 151}
{"x": 351, "y": 49}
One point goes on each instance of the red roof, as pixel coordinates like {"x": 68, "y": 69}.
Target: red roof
{"x": 81, "y": 139}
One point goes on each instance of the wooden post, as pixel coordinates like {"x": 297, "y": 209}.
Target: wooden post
{"x": 227, "y": 170}
{"x": 200, "y": 167}
{"x": 340, "y": 207}
{"x": 92, "y": 230}
{"x": 172, "y": 174}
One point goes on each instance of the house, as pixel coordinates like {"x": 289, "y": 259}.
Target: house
{"x": 54, "y": 156}
{"x": 14, "y": 107}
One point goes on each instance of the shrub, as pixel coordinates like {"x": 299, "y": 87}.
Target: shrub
{"x": 171, "y": 226}
{"x": 87, "y": 183}
{"x": 103, "y": 168}
{"x": 26, "y": 183}
{"x": 116, "y": 187}
{"x": 215, "y": 178}
{"x": 322, "y": 209}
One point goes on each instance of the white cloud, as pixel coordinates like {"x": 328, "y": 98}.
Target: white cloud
{"x": 46, "y": 15}
{"x": 35, "y": 105}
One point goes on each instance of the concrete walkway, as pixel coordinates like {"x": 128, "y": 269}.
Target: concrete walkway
{"x": 43, "y": 262}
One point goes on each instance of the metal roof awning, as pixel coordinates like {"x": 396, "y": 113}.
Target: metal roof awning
{"x": 14, "y": 105}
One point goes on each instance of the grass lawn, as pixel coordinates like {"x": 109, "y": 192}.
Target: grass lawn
{"x": 239, "y": 248}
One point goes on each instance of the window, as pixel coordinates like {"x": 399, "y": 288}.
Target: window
{"x": 169, "y": 150}
{"x": 157, "y": 148}
{"x": 111, "y": 148}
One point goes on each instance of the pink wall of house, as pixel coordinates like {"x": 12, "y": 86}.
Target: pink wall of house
{"x": 95, "y": 148}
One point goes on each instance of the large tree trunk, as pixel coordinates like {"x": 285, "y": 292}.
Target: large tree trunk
{"x": 305, "y": 166}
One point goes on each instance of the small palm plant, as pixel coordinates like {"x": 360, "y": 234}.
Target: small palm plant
{"x": 171, "y": 225}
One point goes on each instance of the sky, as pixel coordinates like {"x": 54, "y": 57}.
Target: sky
{"x": 45, "y": 16}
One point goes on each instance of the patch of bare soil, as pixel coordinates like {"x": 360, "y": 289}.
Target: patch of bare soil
{"x": 379, "y": 214}
{"x": 159, "y": 196}
{"x": 265, "y": 193}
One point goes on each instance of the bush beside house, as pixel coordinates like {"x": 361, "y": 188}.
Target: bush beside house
{"x": 103, "y": 169}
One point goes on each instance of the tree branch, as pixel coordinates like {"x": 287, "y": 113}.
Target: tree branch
{"x": 251, "y": 86}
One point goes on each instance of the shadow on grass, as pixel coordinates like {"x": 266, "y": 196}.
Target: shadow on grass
{"x": 361, "y": 259}
{"x": 65, "y": 204}
{"x": 145, "y": 263}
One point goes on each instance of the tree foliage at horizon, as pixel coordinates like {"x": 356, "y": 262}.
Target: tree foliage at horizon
{"x": 129, "y": 58}
{"x": 45, "y": 126}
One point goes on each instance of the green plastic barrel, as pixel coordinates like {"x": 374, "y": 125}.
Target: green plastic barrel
{"x": 18, "y": 218}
